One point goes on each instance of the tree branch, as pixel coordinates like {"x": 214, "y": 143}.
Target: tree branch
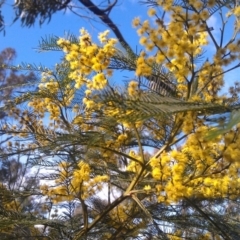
{"x": 99, "y": 217}
{"x": 105, "y": 19}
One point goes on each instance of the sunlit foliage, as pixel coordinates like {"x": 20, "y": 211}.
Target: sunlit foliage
{"x": 139, "y": 165}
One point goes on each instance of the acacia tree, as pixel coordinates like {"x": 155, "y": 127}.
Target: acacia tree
{"x": 10, "y": 80}
{"x": 137, "y": 162}
{"x": 17, "y": 195}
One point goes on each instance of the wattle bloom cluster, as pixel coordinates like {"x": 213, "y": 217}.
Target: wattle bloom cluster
{"x": 178, "y": 46}
{"x": 86, "y": 64}
{"x": 202, "y": 168}
{"x": 74, "y": 183}
{"x": 88, "y": 61}
{"x": 173, "y": 46}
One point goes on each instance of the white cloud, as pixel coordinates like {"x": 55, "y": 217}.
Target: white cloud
{"x": 212, "y": 22}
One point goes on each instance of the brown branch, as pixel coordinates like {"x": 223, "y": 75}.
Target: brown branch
{"x": 85, "y": 212}
{"x": 110, "y": 7}
{"x": 99, "y": 217}
{"x": 107, "y": 20}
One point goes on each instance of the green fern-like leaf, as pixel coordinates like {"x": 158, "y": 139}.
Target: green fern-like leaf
{"x": 148, "y": 104}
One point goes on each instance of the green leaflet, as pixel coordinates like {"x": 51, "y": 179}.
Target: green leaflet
{"x": 234, "y": 120}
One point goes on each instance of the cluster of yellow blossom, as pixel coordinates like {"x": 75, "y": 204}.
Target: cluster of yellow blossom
{"x": 143, "y": 66}
{"x": 88, "y": 66}
{"x": 120, "y": 215}
{"x": 232, "y": 142}
{"x": 236, "y": 11}
{"x": 174, "y": 46}
{"x": 202, "y": 168}
{"x": 210, "y": 81}
{"x": 134, "y": 165}
{"x": 52, "y": 95}
{"x": 87, "y": 57}
{"x": 174, "y": 237}
{"x": 46, "y": 105}
{"x": 133, "y": 88}
{"x": 206, "y": 236}
{"x": 179, "y": 43}
{"x": 13, "y": 205}
{"x": 74, "y": 183}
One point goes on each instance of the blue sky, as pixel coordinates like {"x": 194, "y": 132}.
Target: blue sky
{"x": 25, "y": 40}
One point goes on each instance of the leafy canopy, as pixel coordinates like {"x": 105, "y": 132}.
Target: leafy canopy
{"x": 136, "y": 161}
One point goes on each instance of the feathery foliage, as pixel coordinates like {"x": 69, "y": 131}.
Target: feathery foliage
{"x": 152, "y": 160}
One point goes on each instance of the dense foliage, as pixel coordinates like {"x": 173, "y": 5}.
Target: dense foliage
{"x": 153, "y": 159}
